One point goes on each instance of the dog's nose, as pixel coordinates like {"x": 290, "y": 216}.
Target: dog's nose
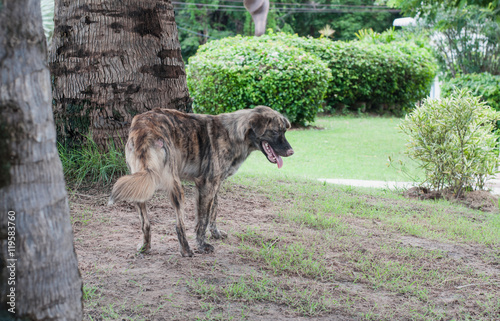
{"x": 289, "y": 152}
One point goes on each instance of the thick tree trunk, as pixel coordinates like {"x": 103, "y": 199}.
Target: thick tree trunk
{"x": 111, "y": 60}
{"x": 38, "y": 266}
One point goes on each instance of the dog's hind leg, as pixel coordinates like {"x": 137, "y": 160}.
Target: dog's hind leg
{"x": 206, "y": 202}
{"x": 216, "y": 233}
{"x": 177, "y": 198}
{"x": 145, "y": 226}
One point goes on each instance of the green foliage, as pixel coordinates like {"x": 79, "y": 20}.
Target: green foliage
{"x": 369, "y": 35}
{"x": 198, "y": 24}
{"x": 368, "y": 75}
{"x": 241, "y": 72}
{"x": 431, "y": 7}
{"x": 346, "y": 19}
{"x": 89, "y": 163}
{"x": 484, "y": 84}
{"x": 467, "y": 41}
{"x": 454, "y": 141}
{"x": 380, "y": 76}
{"x": 392, "y": 35}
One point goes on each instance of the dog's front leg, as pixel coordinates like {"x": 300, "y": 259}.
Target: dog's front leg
{"x": 216, "y": 233}
{"x": 207, "y": 191}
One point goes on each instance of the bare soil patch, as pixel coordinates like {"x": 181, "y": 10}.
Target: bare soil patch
{"x": 478, "y": 200}
{"x": 361, "y": 270}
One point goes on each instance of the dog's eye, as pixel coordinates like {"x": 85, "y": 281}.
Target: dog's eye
{"x": 274, "y": 133}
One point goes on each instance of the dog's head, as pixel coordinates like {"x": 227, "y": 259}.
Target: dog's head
{"x": 267, "y": 133}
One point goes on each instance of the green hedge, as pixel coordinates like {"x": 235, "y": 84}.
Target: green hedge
{"x": 392, "y": 75}
{"x": 484, "y": 84}
{"x": 274, "y": 70}
{"x": 241, "y": 72}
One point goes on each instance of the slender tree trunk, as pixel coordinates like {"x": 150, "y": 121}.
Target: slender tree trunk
{"x": 38, "y": 266}
{"x": 111, "y": 60}
{"x": 259, "y": 10}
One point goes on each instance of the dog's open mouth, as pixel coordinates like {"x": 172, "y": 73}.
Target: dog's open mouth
{"x": 271, "y": 154}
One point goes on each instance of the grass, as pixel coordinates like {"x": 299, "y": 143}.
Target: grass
{"x": 293, "y": 258}
{"x": 91, "y": 165}
{"x": 259, "y": 287}
{"x": 320, "y": 203}
{"x": 346, "y": 147}
{"x": 322, "y": 250}
{"x": 328, "y": 250}
{"x": 412, "y": 272}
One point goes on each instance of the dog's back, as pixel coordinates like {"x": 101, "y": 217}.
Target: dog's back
{"x": 163, "y": 143}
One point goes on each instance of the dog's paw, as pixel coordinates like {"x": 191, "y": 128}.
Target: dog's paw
{"x": 187, "y": 253}
{"x": 218, "y": 234}
{"x": 205, "y": 249}
{"x": 143, "y": 248}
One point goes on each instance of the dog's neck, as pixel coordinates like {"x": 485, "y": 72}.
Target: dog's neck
{"x": 237, "y": 124}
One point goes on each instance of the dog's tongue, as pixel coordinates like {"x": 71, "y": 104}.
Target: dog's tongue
{"x": 271, "y": 154}
{"x": 279, "y": 161}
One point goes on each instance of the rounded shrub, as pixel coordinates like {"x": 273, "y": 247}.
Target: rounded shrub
{"x": 393, "y": 75}
{"x": 484, "y": 84}
{"x": 454, "y": 141}
{"x": 241, "y": 72}
{"x": 384, "y": 76}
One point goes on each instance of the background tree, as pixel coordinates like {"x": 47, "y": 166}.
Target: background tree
{"x": 346, "y": 18}
{"x": 432, "y": 7}
{"x": 201, "y": 20}
{"x": 466, "y": 40}
{"x": 228, "y": 18}
{"x": 47, "y": 281}
{"x": 111, "y": 60}
{"x": 465, "y": 35}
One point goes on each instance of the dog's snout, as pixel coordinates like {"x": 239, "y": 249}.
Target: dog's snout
{"x": 289, "y": 152}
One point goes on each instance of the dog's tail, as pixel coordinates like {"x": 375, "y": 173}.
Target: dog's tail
{"x": 138, "y": 187}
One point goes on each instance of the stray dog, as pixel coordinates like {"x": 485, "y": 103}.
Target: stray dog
{"x": 166, "y": 146}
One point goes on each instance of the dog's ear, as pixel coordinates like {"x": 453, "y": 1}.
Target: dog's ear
{"x": 259, "y": 124}
{"x": 287, "y": 123}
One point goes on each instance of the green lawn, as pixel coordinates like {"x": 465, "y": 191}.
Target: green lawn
{"x": 346, "y": 147}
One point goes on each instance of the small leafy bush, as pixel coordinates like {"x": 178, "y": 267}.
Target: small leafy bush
{"x": 454, "y": 141}
{"x": 241, "y": 72}
{"x": 377, "y": 75}
{"x": 484, "y": 84}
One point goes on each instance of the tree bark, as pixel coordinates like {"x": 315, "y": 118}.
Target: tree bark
{"x": 259, "y": 10}
{"x": 111, "y": 60}
{"x": 38, "y": 265}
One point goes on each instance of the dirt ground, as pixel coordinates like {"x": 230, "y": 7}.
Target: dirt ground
{"x": 479, "y": 200}
{"x": 120, "y": 284}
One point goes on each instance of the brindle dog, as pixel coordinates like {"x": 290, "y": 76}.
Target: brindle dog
{"x": 166, "y": 146}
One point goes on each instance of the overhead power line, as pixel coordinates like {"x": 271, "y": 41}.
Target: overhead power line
{"x": 286, "y": 7}
{"x": 314, "y": 5}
